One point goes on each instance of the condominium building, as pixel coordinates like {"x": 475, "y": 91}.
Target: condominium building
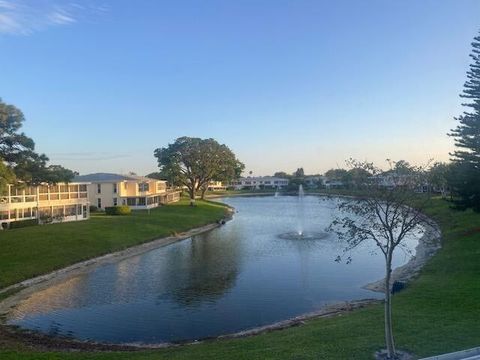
{"x": 138, "y": 192}
{"x": 216, "y": 186}
{"x": 47, "y": 203}
{"x": 262, "y": 182}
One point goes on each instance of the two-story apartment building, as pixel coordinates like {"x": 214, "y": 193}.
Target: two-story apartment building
{"x": 138, "y": 192}
{"x": 216, "y": 186}
{"x": 262, "y": 182}
{"x": 47, "y": 203}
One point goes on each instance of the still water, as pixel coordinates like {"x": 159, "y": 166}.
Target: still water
{"x": 233, "y": 278}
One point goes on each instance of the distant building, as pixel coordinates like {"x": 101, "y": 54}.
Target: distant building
{"x": 138, "y": 192}
{"x": 47, "y": 203}
{"x": 333, "y": 184}
{"x": 314, "y": 181}
{"x": 216, "y": 186}
{"x": 262, "y": 182}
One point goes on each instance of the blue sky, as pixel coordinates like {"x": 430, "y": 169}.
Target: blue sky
{"x": 283, "y": 83}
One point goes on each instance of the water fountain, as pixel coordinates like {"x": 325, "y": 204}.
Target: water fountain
{"x": 301, "y": 234}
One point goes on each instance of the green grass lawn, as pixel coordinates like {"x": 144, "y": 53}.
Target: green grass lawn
{"x": 439, "y": 312}
{"x": 27, "y": 252}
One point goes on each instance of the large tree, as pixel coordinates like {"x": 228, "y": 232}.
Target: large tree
{"x": 282, "y": 174}
{"x": 194, "y": 162}
{"x": 466, "y": 184}
{"x": 386, "y": 216}
{"x": 17, "y": 151}
{"x": 438, "y": 176}
{"x": 6, "y": 177}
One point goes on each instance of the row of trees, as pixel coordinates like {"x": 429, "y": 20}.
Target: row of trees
{"x": 438, "y": 176}
{"x": 18, "y": 159}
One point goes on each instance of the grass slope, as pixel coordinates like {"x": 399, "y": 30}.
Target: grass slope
{"x": 438, "y": 313}
{"x": 28, "y": 252}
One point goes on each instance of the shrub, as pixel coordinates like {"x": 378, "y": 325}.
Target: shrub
{"x": 23, "y": 223}
{"x": 93, "y": 208}
{"x": 45, "y": 219}
{"x": 118, "y": 210}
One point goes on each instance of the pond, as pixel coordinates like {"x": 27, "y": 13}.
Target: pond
{"x": 239, "y": 276}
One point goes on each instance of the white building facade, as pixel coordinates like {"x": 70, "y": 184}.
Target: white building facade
{"x": 262, "y": 182}
{"x": 137, "y": 192}
{"x": 45, "y": 203}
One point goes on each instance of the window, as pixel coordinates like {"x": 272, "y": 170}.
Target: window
{"x": 115, "y": 188}
{"x": 99, "y": 188}
{"x": 83, "y": 188}
{"x": 115, "y": 202}
{"x": 141, "y": 201}
{"x": 70, "y": 210}
{"x": 99, "y": 203}
{"x": 132, "y": 201}
{"x": 57, "y": 212}
{"x": 142, "y": 187}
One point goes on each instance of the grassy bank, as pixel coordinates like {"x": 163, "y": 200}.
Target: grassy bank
{"x": 437, "y": 313}
{"x": 32, "y": 251}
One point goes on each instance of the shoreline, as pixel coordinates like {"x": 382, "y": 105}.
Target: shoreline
{"x": 427, "y": 246}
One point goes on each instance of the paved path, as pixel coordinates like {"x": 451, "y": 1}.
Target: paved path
{"x": 470, "y": 354}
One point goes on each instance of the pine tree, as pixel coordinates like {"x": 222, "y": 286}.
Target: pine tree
{"x": 466, "y": 180}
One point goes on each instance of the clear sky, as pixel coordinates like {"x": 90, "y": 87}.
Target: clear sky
{"x": 283, "y": 83}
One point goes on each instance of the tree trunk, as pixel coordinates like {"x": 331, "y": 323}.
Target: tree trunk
{"x": 388, "y": 309}
{"x": 192, "y": 196}
{"x": 203, "y": 193}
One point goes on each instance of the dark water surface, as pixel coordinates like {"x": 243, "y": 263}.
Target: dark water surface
{"x": 237, "y": 277}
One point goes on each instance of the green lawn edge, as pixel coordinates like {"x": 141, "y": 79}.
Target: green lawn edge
{"x": 437, "y": 313}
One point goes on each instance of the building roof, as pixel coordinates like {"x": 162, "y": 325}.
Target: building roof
{"x": 108, "y": 177}
{"x": 262, "y": 178}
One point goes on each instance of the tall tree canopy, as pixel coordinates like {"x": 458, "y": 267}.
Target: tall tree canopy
{"x": 466, "y": 184}
{"x": 299, "y": 173}
{"x": 17, "y": 151}
{"x": 6, "y": 177}
{"x": 194, "y": 162}
{"x": 282, "y": 174}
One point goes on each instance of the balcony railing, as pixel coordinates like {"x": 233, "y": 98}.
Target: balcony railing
{"x": 15, "y": 199}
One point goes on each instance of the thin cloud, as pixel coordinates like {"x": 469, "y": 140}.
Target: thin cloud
{"x": 24, "y": 17}
{"x": 86, "y": 156}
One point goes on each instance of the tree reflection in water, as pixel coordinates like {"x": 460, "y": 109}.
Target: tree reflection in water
{"x": 204, "y": 272}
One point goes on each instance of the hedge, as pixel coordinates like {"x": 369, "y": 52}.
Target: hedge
{"x": 23, "y": 223}
{"x": 118, "y": 210}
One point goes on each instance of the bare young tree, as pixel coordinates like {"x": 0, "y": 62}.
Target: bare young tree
{"x": 389, "y": 207}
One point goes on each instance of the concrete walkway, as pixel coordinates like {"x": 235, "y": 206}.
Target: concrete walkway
{"x": 470, "y": 354}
